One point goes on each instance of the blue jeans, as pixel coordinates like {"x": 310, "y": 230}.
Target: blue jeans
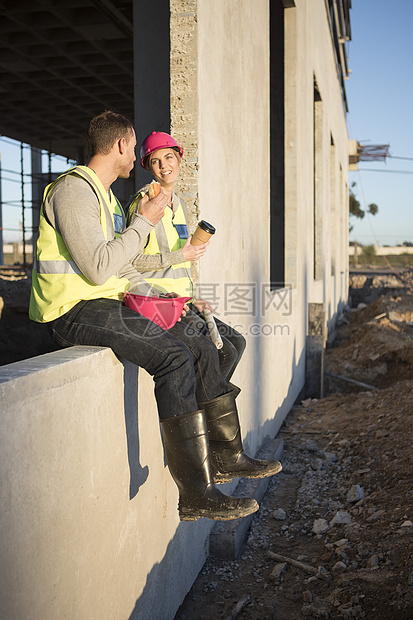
{"x": 183, "y": 362}
{"x": 233, "y": 342}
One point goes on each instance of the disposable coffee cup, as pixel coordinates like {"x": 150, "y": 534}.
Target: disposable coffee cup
{"x": 203, "y": 233}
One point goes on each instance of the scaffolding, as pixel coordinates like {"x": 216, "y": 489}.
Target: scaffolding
{"x": 373, "y": 152}
{"x": 24, "y": 192}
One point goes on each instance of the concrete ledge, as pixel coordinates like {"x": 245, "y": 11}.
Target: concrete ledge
{"x": 42, "y": 363}
{"x": 89, "y": 526}
{"x": 227, "y": 537}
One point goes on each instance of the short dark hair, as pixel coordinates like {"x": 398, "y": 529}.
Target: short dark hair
{"x": 105, "y": 129}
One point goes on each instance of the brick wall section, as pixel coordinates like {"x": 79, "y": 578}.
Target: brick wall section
{"x": 184, "y": 102}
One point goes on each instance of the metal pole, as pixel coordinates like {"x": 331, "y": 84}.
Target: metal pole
{"x": 23, "y": 205}
{"x": 37, "y": 187}
{"x": 1, "y": 222}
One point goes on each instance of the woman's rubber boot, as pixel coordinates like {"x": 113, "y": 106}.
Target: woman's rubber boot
{"x": 227, "y": 453}
{"x": 234, "y": 388}
{"x": 185, "y": 440}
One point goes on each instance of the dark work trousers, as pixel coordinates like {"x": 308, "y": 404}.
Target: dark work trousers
{"x": 183, "y": 362}
{"x": 233, "y": 342}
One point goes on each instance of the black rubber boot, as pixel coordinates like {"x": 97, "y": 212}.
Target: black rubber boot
{"x": 227, "y": 453}
{"x": 185, "y": 440}
{"x": 234, "y": 388}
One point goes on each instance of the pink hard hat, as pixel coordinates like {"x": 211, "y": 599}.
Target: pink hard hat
{"x": 158, "y": 140}
{"x": 164, "y": 311}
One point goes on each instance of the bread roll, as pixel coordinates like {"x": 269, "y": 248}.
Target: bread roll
{"x": 154, "y": 189}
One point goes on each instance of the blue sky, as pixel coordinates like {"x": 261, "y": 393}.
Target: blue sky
{"x": 380, "y": 96}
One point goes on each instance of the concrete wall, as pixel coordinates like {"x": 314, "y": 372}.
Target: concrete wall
{"x": 89, "y": 527}
{"x": 234, "y": 193}
{"x": 227, "y": 99}
{"x": 383, "y": 251}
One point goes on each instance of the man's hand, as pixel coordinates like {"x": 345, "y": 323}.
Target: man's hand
{"x": 193, "y": 252}
{"x": 153, "y": 209}
{"x": 201, "y": 305}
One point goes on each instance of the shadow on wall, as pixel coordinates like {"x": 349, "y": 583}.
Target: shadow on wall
{"x": 169, "y": 580}
{"x": 256, "y": 403}
{"x": 271, "y": 427}
{"x": 258, "y": 347}
{"x": 138, "y": 474}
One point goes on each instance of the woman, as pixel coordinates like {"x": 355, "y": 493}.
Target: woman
{"x": 166, "y": 265}
{"x": 166, "y": 260}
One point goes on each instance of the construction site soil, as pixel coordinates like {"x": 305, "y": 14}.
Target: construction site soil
{"x": 334, "y": 534}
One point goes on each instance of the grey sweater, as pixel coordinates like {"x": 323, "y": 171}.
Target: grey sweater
{"x": 73, "y": 210}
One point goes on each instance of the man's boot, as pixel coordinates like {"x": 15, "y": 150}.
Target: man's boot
{"x": 185, "y": 440}
{"x": 227, "y": 453}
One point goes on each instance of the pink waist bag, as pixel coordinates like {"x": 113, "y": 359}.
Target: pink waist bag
{"x": 164, "y": 311}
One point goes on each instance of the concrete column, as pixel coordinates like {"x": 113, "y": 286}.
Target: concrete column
{"x": 151, "y": 68}
{"x": 37, "y": 191}
{"x": 315, "y": 351}
{"x": 185, "y": 102}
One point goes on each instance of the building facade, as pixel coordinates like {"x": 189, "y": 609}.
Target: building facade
{"x": 254, "y": 92}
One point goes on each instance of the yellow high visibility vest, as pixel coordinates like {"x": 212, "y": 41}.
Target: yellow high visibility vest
{"x": 57, "y": 282}
{"x": 168, "y": 236}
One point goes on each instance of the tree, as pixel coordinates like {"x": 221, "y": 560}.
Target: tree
{"x": 355, "y": 208}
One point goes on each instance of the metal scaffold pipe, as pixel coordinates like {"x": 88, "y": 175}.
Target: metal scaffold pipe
{"x": 23, "y": 204}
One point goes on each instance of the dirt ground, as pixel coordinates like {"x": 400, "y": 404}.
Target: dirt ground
{"x": 20, "y": 338}
{"x": 334, "y": 534}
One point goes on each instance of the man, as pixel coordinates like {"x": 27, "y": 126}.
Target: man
{"x": 81, "y": 272}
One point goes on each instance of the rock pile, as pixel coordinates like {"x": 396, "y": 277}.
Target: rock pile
{"x": 367, "y": 285}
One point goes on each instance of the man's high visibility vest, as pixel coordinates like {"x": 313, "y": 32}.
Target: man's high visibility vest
{"x": 169, "y": 235}
{"x": 57, "y": 282}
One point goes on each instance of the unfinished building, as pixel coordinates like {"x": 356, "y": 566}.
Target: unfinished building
{"x": 254, "y": 91}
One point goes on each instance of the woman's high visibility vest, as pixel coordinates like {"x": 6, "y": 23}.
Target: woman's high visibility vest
{"x": 57, "y": 282}
{"x": 169, "y": 235}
